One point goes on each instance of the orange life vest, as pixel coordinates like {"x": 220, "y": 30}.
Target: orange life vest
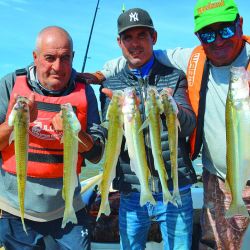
{"x": 45, "y": 152}
{"x": 195, "y": 78}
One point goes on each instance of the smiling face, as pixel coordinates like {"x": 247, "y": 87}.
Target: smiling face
{"x": 223, "y": 52}
{"x": 137, "y": 45}
{"x": 53, "y": 58}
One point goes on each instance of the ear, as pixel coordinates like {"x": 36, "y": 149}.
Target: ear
{"x": 241, "y": 24}
{"x": 241, "y": 20}
{"x": 154, "y": 37}
{"x": 34, "y": 56}
{"x": 119, "y": 41}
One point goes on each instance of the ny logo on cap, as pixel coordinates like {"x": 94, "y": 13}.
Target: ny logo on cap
{"x": 133, "y": 17}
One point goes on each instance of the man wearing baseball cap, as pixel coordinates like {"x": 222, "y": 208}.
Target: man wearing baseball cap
{"x": 218, "y": 26}
{"x": 136, "y": 38}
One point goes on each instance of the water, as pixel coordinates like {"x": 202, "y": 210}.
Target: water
{"x": 90, "y": 170}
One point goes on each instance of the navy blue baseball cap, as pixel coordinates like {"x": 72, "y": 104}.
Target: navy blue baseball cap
{"x": 135, "y": 17}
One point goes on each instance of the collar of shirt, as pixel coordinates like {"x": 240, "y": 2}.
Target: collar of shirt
{"x": 143, "y": 71}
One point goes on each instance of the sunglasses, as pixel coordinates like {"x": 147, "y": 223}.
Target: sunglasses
{"x": 225, "y": 33}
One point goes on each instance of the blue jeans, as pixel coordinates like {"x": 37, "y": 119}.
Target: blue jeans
{"x": 73, "y": 236}
{"x": 176, "y": 224}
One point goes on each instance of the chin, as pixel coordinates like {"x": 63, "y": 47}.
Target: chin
{"x": 222, "y": 62}
{"x": 137, "y": 63}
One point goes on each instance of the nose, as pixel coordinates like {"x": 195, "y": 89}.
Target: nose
{"x": 219, "y": 41}
{"x": 135, "y": 42}
{"x": 57, "y": 64}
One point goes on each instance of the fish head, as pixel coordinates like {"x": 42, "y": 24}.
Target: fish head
{"x": 152, "y": 94}
{"x": 152, "y": 101}
{"x": 66, "y": 107}
{"x": 129, "y": 104}
{"x": 20, "y": 111}
{"x": 115, "y": 105}
{"x": 22, "y": 103}
{"x": 238, "y": 86}
{"x": 69, "y": 117}
{"x": 117, "y": 98}
{"x": 129, "y": 97}
{"x": 168, "y": 102}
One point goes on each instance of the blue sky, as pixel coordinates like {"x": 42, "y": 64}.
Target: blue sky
{"x": 21, "y": 20}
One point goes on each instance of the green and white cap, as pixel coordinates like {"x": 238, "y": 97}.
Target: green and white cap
{"x": 207, "y": 12}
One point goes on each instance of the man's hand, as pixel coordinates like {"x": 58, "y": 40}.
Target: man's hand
{"x": 107, "y": 92}
{"x": 169, "y": 91}
{"x": 86, "y": 140}
{"x": 92, "y": 78}
{"x": 32, "y": 107}
{"x": 57, "y": 122}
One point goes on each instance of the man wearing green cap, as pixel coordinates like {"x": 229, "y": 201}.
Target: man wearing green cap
{"x": 218, "y": 26}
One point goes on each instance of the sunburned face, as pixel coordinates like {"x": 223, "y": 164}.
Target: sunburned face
{"x": 53, "y": 61}
{"x": 137, "y": 45}
{"x": 223, "y": 51}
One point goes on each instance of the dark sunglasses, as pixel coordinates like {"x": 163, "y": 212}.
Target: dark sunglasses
{"x": 225, "y": 33}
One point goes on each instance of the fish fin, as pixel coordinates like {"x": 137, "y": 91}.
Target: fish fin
{"x": 144, "y": 125}
{"x": 146, "y": 197}
{"x": 237, "y": 209}
{"x": 178, "y": 123}
{"x": 69, "y": 216}
{"x": 11, "y": 118}
{"x": 105, "y": 124}
{"x": 12, "y": 137}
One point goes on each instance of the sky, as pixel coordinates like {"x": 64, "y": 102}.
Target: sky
{"x": 21, "y": 20}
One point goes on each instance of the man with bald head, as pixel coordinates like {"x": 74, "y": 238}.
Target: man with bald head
{"x": 49, "y": 82}
{"x": 53, "y": 45}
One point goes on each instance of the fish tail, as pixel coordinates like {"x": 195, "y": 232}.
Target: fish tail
{"x": 24, "y": 227}
{"x": 21, "y": 202}
{"x": 167, "y": 197}
{"x": 147, "y": 197}
{"x": 176, "y": 198}
{"x": 102, "y": 210}
{"x": 235, "y": 209}
{"x": 69, "y": 216}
